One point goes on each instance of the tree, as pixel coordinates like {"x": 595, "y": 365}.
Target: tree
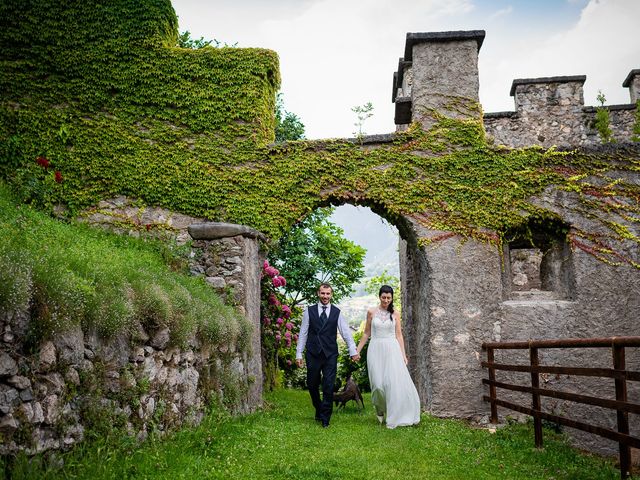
{"x": 363, "y": 112}
{"x": 372, "y": 286}
{"x": 315, "y": 251}
{"x": 602, "y": 120}
{"x": 288, "y": 125}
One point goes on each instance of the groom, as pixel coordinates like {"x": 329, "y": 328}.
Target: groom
{"x": 320, "y": 322}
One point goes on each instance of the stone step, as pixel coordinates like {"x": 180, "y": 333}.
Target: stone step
{"x": 533, "y": 295}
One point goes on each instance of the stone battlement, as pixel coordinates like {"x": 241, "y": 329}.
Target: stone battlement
{"x": 440, "y": 69}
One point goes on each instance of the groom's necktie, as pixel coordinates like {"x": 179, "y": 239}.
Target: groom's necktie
{"x": 323, "y": 315}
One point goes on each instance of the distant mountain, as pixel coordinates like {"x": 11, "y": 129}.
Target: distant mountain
{"x": 376, "y": 235}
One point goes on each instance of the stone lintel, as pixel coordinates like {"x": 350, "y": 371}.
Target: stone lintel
{"x": 506, "y": 114}
{"x": 611, "y": 108}
{"x": 528, "y": 81}
{"x": 431, "y": 37}
{"x": 377, "y": 138}
{"x": 633, "y": 73}
{"x": 215, "y": 230}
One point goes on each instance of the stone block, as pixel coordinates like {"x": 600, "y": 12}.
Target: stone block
{"x": 86, "y": 366}
{"x": 47, "y": 358}
{"x": 32, "y": 411}
{"x": 9, "y": 398}
{"x": 138, "y": 355}
{"x": 70, "y": 346}
{"x": 51, "y": 409}
{"x": 8, "y": 366}
{"x": 73, "y": 435}
{"x": 72, "y": 376}
{"x": 26, "y": 395}
{"x": 19, "y": 382}
{"x": 45, "y": 439}
{"x": 8, "y": 425}
{"x": 149, "y": 369}
{"x": 54, "y": 382}
{"x": 216, "y": 282}
{"x": 161, "y": 339}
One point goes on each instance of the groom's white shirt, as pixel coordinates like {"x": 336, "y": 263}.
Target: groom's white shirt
{"x": 343, "y": 328}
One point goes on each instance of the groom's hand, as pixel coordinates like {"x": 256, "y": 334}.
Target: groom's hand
{"x": 299, "y": 362}
{"x": 356, "y": 357}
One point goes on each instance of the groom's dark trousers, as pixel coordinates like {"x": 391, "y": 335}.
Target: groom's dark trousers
{"x": 322, "y": 360}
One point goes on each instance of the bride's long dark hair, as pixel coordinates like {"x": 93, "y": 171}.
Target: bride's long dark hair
{"x": 387, "y": 289}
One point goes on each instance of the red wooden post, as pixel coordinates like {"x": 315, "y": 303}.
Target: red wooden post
{"x": 623, "y": 417}
{"x": 536, "y": 405}
{"x": 492, "y": 388}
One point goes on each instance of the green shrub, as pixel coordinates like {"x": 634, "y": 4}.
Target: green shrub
{"x": 603, "y": 121}
{"x": 73, "y": 275}
{"x": 636, "y": 124}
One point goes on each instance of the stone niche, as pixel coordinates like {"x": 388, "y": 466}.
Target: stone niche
{"x": 537, "y": 263}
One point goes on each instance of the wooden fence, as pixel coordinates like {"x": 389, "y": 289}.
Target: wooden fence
{"x": 619, "y": 373}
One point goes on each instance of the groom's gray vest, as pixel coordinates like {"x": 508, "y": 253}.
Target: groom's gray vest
{"x": 322, "y": 338}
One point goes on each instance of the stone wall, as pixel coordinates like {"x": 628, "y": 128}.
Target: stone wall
{"x": 51, "y": 391}
{"x": 549, "y": 111}
{"x": 459, "y": 293}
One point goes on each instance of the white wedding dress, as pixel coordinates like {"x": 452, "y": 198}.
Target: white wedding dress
{"x": 393, "y": 393}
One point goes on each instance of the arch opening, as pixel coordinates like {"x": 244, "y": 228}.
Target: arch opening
{"x": 369, "y": 220}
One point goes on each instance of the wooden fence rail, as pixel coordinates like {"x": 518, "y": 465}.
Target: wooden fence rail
{"x": 619, "y": 373}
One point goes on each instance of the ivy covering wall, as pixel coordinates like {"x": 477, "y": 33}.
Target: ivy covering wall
{"x": 99, "y": 91}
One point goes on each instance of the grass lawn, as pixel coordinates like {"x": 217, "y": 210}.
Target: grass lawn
{"x": 283, "y": 441}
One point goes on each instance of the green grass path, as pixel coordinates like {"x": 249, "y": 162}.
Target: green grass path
{"x": 284, "y": 442}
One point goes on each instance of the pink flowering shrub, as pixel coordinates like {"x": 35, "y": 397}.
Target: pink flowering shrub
{"x": 280, "y": 326}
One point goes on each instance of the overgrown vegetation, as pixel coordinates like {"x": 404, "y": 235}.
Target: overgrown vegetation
{"x": 74, "y": 275}
{"x": 288, "y": 124}
{"x": 363, "y": 113}
{"x": 262, "y": 446}
{"x": 315, "y": 251}
{"x": 101, "y": 91}
{"x": 122, "y": 113}
{"x": 603, "y": 120}
{"x": 636, "y": 124}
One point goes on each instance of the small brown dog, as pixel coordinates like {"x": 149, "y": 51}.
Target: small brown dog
{"x": 349, "y": 392}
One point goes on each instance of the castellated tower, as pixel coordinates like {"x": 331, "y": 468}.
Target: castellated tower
{"x": 439, "y": 71}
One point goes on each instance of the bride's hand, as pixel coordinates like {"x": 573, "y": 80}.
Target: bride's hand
{"x": 406, "y": 360}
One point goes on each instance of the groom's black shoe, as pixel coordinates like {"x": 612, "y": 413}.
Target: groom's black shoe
{"x": 325, "y": 424}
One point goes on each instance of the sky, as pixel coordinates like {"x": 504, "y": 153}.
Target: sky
{"x": 337, "y": 54}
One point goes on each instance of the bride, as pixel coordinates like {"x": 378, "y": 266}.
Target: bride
{"x": 393, "y": 393}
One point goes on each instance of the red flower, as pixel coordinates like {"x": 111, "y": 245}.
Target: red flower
{"x": 43, "y": 162}
{"x": 271, "y": 271}
{"x": 148, "y": 226}
{"x": 58, "y": 176}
